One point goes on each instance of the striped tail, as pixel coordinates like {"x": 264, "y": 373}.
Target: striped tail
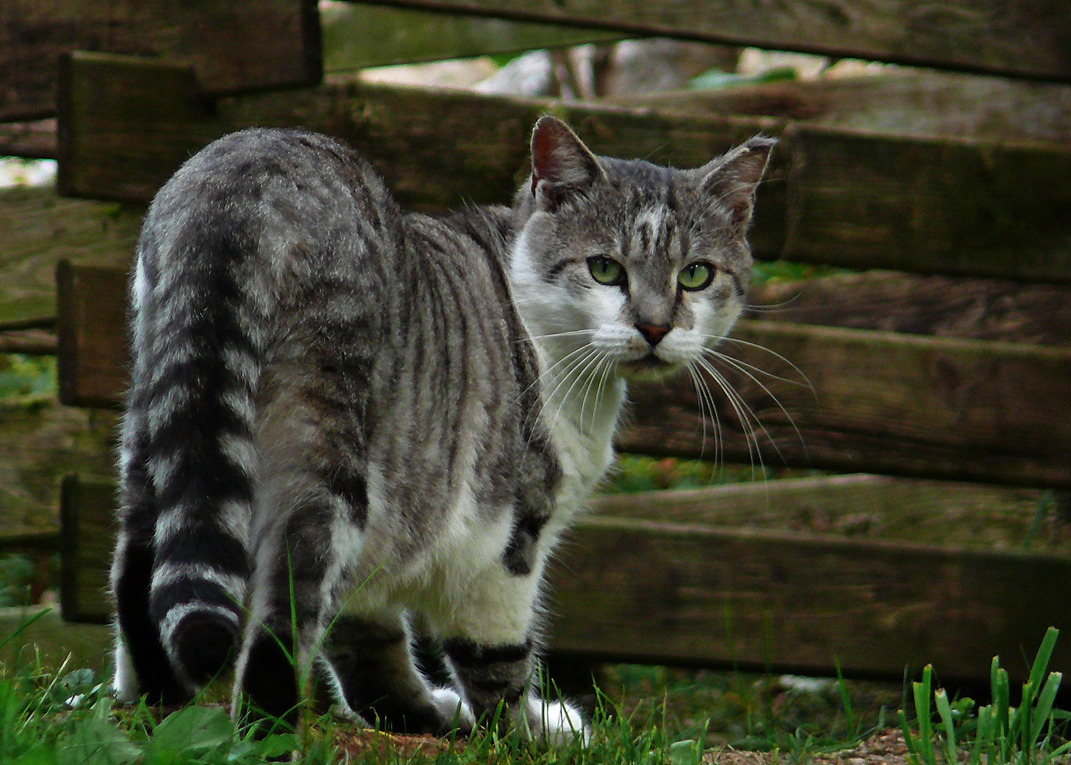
{"x": 188, "y": 466}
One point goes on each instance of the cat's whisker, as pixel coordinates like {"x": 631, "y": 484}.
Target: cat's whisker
{"x": 546, "y": 376}
{"x": 749, "y": 421}
{"x": 743, "y": 369}
{"x": 706, "y": 399}
{"x": 748, "y": 344}
{"x": 610, "y": 367}
{"x": 573, "y": 368}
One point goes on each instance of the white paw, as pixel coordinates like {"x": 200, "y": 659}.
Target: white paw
{"x": 125, "y": 680}
{"x": 452, "y": 707}
{"x": 556, "y": 722}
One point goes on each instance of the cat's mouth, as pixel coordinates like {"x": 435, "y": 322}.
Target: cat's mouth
{"x": 646, "y": 368}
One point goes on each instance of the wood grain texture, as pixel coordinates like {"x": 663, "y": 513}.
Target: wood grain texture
{"x": 875, "y": 402}
{"x": 862, "y": 201}
{"x": 971, "y": 206}
{"x": 993, "y": 412}
{"x": 1030, "y": 38}
{"x": 40, "y": 229}
{"x": 87, "y": 536}
{"x": 357, "y": 35}
{"x": 56, "y": 640}
{"x": 693, "y": 594}
{"x": 39, "y": 443}
{"x": 864, "y": 507}
{"x": 234, "y": 46}
{"x": 92, "y": 335}
{"x": 919, "y": 103}
{"x": 764, "y": 601}
{"x": 946, "y": 306}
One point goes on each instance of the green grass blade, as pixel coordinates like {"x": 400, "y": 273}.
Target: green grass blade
{"x": 922, "y": 714}
{"x": 1046, "y": 698}
{"x": 909, "y": 739}
{"x": 1041, "y": 659}
{"x": 945, "y": 711}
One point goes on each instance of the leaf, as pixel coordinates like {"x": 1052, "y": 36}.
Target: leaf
{"x": 95, "y": 742}
{"x": 193, "y": 729}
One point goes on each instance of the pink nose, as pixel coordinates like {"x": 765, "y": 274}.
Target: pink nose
{"x": 652, "y": 333}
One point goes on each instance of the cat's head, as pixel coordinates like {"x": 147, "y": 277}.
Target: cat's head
{"x": 630, "y": 266}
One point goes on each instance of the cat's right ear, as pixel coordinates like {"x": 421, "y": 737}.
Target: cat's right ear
{"x": 562, "y": 166}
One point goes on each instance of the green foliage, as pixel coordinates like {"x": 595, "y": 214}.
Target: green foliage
{"x": 16, "y": 577}
{"x": 1000, "y": 734}
{"x": 27, "y": 375}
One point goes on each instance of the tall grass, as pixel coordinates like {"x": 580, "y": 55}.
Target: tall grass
{"x": 1000, "y": 734}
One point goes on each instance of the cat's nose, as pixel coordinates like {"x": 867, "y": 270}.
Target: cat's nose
{"x": 653, "y": 333}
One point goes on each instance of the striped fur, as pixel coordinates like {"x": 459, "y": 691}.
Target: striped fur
{"x": 343, "y": 417}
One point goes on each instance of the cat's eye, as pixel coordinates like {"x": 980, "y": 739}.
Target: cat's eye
{"x": 606, "y": 271}
{"x": 696, "y": 276}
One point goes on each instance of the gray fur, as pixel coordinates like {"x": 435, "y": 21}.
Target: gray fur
{"x": 382, "y": 413}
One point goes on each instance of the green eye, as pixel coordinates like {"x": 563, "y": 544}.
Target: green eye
{"x": 606, "y": 271}
{"x": 696, "y": 276}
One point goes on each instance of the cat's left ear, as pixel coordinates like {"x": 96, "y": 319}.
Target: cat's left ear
{"x": 732, "y": 178}
{"x": 562, "y": 165}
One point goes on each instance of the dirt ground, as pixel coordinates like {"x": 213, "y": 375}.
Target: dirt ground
{"x": 884, "y": 748}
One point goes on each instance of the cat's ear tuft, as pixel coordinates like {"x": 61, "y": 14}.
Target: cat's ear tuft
{"x": 562, "y": 165}
{"x": 732, "y": 178}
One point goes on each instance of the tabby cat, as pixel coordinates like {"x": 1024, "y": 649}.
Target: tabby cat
{"x": 347, "y": 423}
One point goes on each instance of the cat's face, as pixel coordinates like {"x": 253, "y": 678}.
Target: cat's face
{"x": 629, "y": 268}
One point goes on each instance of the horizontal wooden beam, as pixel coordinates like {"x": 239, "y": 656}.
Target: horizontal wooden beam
{"x": 863, "y": 507}
{"x": 690, "y": 593}
{"x": 947, "y": 306}
{"x": 40, "y": 229}
{"x": 1027, "y": 38}
{"x": 655, "y": 592}
{"x": 234, "y": 46}
{"x": 358, "y": 35}
{"x": 861, "y": 201}
{"x": 42, "y": 442}
{"x": 863, "y": 401}
{"x": 910, "y": 102}
{"x": 821, "y": 397}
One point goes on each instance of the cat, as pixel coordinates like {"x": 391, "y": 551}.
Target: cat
{"x": 346, "y": 422}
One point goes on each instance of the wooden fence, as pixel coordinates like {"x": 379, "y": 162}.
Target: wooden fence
{"x": 952, "y": 367}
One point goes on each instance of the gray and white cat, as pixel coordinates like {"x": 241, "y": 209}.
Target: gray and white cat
{"x": 345, "y": 420}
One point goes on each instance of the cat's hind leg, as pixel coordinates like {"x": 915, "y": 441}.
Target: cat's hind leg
{"x": 372, "y": 668}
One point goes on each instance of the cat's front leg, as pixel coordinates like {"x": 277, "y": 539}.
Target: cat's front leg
{"x": 491, "y": 641}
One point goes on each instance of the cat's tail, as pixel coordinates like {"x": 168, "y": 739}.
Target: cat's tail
{"x": 188, "y": 464}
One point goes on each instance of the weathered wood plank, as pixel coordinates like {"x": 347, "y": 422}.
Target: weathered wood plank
{"x": 876, "y": 402}
{"x": 357, "y": 35}
{"x": 40, "y": 229}
{"x": 92, "y": 334}
{"x": 53, "y": 639}
{"x": 1016, "y": 37}
{"x": 87, "y": 537}
{"x": 691, "y": 594}
{"x": 33, "y": 140}
{"x": 865, "y": 508}
{"x": 907, "y": 102}
{"x": 238, "y": 45}
{"x": 961, "y": 207}
{"x": 904, "y": 204}
{"x": 39, "y": 443}
{"x": 891, "y": 301}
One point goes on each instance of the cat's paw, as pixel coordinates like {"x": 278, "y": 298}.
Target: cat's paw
{"x": 454, "y": 709}
{"x": 556, "y": 722}
{"x": 125, "y": 680}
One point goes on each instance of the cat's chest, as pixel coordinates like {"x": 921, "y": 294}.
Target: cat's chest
{"x": 584, "y": 445}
